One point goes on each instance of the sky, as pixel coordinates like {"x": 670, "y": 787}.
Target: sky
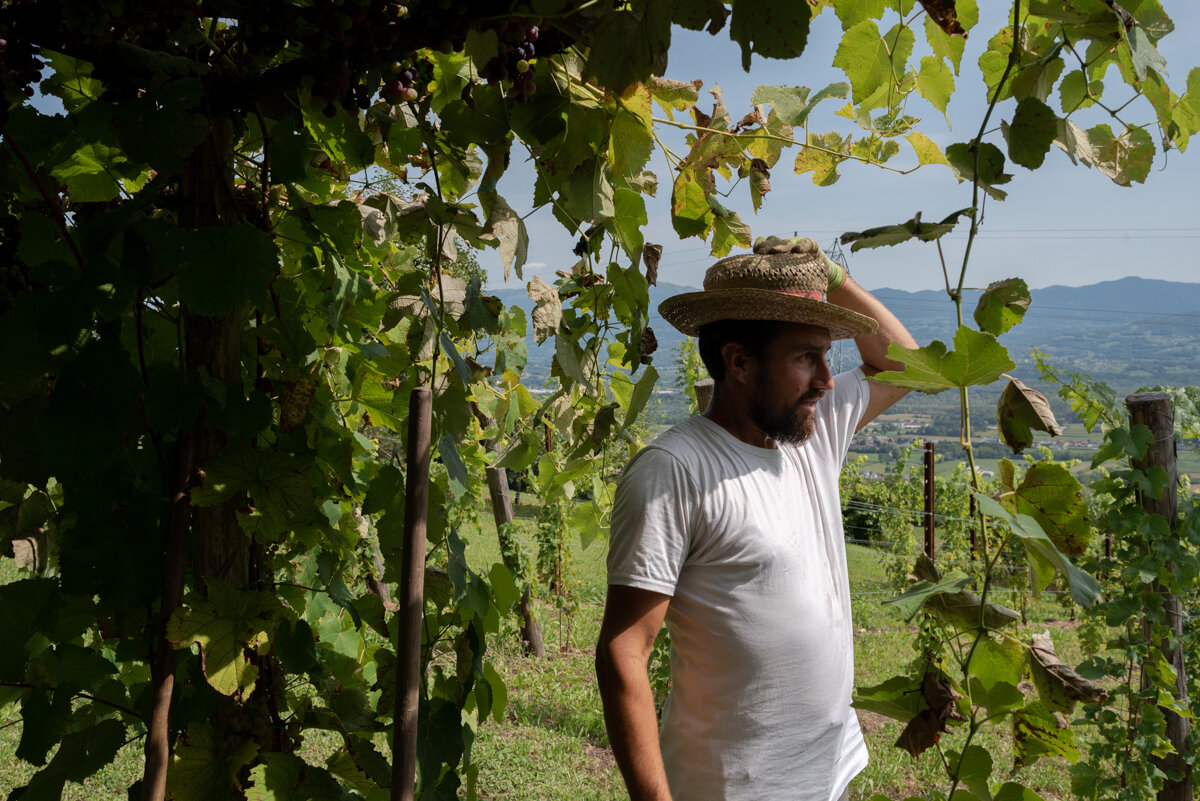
{"x": 1061, "y": 224}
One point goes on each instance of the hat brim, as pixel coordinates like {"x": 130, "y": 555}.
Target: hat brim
{"x": 689, "y": 311}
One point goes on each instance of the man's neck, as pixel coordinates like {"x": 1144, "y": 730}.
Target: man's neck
{"x": 733, "y": 416}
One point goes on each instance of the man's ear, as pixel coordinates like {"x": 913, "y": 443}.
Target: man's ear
{"x": 738, "y": 363}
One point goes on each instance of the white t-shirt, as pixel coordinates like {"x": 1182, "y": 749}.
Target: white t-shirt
{"x": 748, "y": 542}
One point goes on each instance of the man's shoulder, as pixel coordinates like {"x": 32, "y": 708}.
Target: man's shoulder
{"x": 685, "y": 444}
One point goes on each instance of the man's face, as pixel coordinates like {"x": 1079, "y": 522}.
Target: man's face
{"x": 792, "y": 375}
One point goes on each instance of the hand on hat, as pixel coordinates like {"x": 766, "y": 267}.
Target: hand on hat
{"x": 768, "y": 245}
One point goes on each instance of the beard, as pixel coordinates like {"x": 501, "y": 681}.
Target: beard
{"x": 781, "y": 421}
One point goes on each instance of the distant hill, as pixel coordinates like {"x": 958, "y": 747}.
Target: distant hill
{"x": 1130, "y": 333}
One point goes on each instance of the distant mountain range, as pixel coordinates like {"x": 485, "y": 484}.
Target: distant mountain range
{"x": 1130, "y": 333}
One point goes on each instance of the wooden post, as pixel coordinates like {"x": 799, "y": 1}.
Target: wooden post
{"x": 929, "y": 501}
{"x": 1153, "y": 410}
{"x": 502, "y": 513}
{"x": 412, "y": 595}
{"x": 704, "y": 393}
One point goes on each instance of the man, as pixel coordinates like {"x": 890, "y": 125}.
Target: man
{"x": 728, "y": 526}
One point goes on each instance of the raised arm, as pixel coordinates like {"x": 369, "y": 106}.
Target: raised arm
{"x": 873, "y": 347}
{"x": 632, "y": 618}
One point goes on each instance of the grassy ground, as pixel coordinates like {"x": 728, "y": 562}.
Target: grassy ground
{"x": 552, "y": 744}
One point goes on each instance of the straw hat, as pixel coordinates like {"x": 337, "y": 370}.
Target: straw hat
{"x": 781, "y": 280}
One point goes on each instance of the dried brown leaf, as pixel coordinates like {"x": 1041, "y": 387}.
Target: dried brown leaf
{"x": 652, "y": 254}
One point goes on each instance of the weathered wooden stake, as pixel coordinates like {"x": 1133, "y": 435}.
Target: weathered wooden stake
{"x": 704, "y": 393}
{"x": 1153, "y": 410}
{"x": 502, "y": 513}
{"x": 929, "y": 500}
{"x": 412, "y": 595}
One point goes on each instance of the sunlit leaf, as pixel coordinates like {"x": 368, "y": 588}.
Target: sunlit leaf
{"x": 1053, "y": 496}
{"x": 225, "y": 625}
{"x": 935, "y": 82}
{"x": 1002, "y": 305}
{"x": 977, "y": 358}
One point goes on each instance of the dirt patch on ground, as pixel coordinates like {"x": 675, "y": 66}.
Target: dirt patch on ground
{"x": 599, "y": 759}
{"x": 870, "y": 722}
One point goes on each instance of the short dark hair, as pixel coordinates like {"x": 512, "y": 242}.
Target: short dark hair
{"x": 753, "y": 335}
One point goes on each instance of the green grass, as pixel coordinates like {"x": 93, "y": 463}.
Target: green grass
{"x": 552, "y": 746}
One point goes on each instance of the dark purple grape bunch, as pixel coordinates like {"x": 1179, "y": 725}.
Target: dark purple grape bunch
{"x": 20, "y": 66}
{"x": 401, "y": 79}
{"x": 514, "y": 61}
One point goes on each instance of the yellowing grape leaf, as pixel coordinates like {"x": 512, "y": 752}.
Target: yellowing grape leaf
{"x": 1038, "y": 732}
{"x": 547, "y": 312}
{"x": 1053, "y": 497}
{"x": 225, "y": 625}
{"x": 1125, "y": 158}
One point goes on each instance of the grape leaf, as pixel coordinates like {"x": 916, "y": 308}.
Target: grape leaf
{"x": 631, "y": 138}
{"x": 991, "y": 166}
{"x": 895, "y": 234}
{"x": 202, "y": 769}
{"x": 690, "y": 213}
{"x": 1145, "y": 55}
{"x": 898, "y": 698}
{"x": 977, "y": 358}
{"x": 223, "y": 268}
{"x": 81, "y": 754}
{"x": 1042, "y": 553}
{"x": 1124, "y": 159}
{"x": 1059, "y": 686}
{"x": 852, "y": 12}
{"x": 281, "y": 492}
{"x": 1077, "y": 92}
{"x": 935, "y": 82}
{"x": 1020, "y": 411}
{"x": 1002, "y": 305}
{"x": 792, "y": 103}
{"x": 771, "y": 28}
{"x": 1033, "y": 129}
{"x": 628, "y": 219}
{"x": 1053, "y": 497}
{"x": 224, "y": 625}
{"x": 630, "y": 45}
{"x": 674, "y": 95}
{"x": 926, "y": 149}
{"x": 866, "y": 59}
{"x": 1012, "y": 791}
{"x": 821, "y": 156}
{"x": 1038, "y": 732}
{"x": 547, "y": 312}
